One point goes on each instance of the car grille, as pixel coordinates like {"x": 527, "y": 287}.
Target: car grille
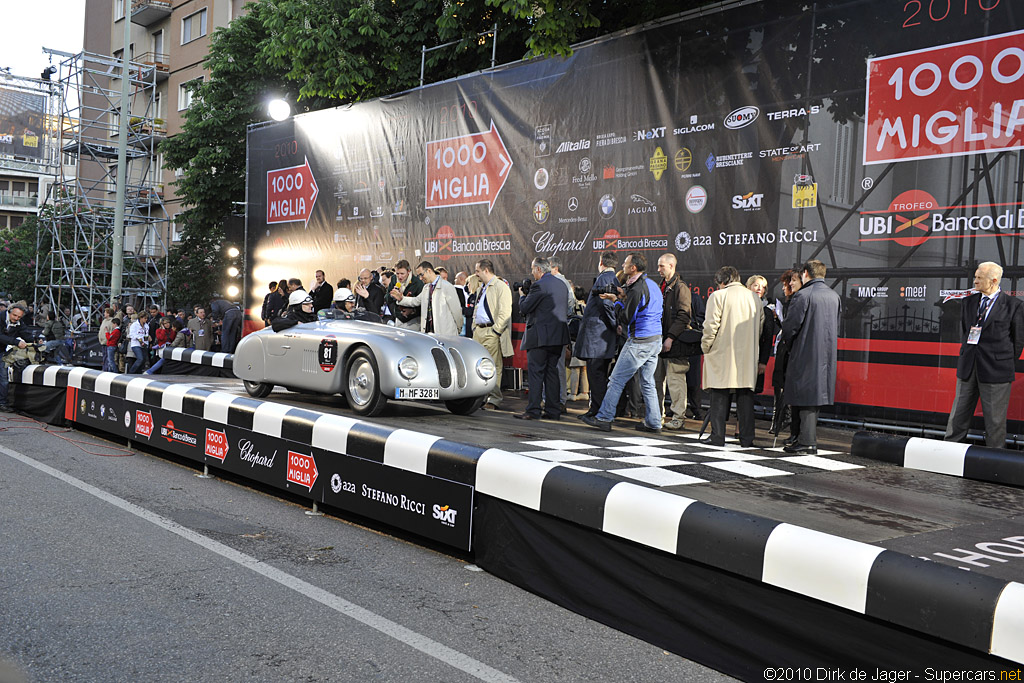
{"x": 310, "y": 363}
{"x": 444, "y": 369}
{"x": 460, "y": 367}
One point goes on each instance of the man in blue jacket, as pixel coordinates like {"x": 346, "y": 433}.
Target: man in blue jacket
{"x": 640, "y": 317}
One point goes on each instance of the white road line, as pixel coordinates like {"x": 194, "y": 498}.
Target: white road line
{"x": 364, "y": 616}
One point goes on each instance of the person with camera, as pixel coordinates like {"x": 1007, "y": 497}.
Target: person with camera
{"x": 640, "y": 307}
{"x": 405, "y": 285}
{"x": 544, "y": 304}
{"x": 595, "y": 342}
{"x": 674, "y": 361}
{"x": 138, "y": 340}
{"x": 10, "y": 336}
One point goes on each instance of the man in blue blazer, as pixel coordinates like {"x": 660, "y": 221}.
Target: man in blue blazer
{"x": 547, "y": 333}
{"x": 992, "y": 327}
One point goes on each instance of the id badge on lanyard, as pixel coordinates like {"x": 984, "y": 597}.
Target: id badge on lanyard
{"x": 974, "y": 336}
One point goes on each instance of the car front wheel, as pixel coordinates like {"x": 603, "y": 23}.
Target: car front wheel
{"x": 465, "y": 406}
{"x": 362, "y": 385}
{"x": 257, "y": 389}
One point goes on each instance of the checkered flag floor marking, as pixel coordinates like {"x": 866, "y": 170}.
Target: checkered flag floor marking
{"x": 679, "y": 460}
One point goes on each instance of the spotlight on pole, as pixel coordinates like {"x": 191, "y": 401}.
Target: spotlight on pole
{"x": 278, "y": 109}
{"x": 233, "y": 292}
{"x": 233, "y": 252}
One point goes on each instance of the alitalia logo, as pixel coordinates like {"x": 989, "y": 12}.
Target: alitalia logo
{"x": 573, "y": 146}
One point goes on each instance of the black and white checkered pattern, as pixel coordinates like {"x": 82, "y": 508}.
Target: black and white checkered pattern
{"x": 672, "y": 459}
{"x": 196, "y": 357}
{"x": 971, "y": 609}
{"x": 983, "y": 463}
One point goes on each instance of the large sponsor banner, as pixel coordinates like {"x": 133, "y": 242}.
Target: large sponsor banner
{"x": 431, "y": 507}
{"x": 880, "y": 137}
{"x": 22, "y": 124}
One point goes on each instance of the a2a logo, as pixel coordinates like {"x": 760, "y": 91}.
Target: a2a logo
{"x": 446, "y": 514}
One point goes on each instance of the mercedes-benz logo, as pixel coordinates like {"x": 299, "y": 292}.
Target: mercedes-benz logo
{"x": 573, "y": 203}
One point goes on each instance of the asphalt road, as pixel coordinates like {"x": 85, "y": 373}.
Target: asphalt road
{"x": 133, "y": 569}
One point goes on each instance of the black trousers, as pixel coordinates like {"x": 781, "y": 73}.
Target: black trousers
{"x": 804, "y": 425}
{"x": 744, "y": 412}
{"x": 542, "y": 373}
{"x": 597, "y": 376}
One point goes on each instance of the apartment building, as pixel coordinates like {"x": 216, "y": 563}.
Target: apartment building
{"x": 172, "y": 37}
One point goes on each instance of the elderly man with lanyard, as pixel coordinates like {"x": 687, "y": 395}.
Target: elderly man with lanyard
{"x": 9, "y": 337}
{"x": 641, "y": 316}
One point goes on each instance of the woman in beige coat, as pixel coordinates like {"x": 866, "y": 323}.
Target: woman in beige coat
{"x": 732, "y": 327}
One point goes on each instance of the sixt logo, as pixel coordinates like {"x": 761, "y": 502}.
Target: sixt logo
{"x": 650, "y": 134}
{"x": 445, "y": 514}
{"x": 748, "y": 201}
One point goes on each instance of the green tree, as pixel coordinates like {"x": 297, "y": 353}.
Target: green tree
{"x": 18, "y": 259}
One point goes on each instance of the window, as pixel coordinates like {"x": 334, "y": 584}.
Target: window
{"x": 185, "y": 93}
{"x": 158, "y": 108}
{"x": 118, "y": 10}
{"x": 193, "y": 26}
{"x": 175, "y": 229}
{"x": 158, "y": 44}
{"x": 17, "y": 221}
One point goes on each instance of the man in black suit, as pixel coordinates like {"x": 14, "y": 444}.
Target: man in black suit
{"x": 992, "y": 325}
{"x": 547, "y": 332}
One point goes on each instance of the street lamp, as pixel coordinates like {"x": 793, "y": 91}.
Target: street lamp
{"x": 279, "y": 109}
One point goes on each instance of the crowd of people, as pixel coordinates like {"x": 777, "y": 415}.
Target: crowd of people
{"x": 630, "y": 345}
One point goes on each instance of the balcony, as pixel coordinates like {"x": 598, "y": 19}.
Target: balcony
{"x": 148, "y": 12}
{"x": 17, "y": 201}
{"x": 155, "y": 61}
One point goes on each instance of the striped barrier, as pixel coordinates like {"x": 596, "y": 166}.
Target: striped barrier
{"x": 196, "y": 357}
{"x": 980, "y": 612}
{"x": 982, "y": 463}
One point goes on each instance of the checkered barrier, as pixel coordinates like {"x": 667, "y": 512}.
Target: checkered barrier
{"x": 982, "y": 463}
{"x": 196, "y": 357}
{"x": 974, "y": 610}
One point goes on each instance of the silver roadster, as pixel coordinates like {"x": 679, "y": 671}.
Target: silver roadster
{"x": 368, "y": 363}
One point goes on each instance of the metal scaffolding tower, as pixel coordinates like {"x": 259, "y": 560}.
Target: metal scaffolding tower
{"x": 77, "y": 220}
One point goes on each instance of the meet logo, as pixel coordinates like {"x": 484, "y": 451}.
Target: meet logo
{"x": 742, "y": 117}
{"x": 747, "y": 202}
{"x": 650, "y": 134}
{"x": 914, "y": 292}
{"x": 445, "y": 514}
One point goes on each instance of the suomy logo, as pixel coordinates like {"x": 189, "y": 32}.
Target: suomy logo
{"x": 742, "y": 117}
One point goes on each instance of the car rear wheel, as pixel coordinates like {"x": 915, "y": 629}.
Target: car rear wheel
{"x": 465, "y": 406}
{"x": 362, "y": 385}
{"x": 257, "y": 389}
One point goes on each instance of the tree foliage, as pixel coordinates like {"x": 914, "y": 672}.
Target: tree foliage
{"x": 320, "y": 53}
{"x": 18, "y": 260}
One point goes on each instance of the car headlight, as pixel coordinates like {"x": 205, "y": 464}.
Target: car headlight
{"x": 408, "y": 367}
{"x": 485, "y": 368}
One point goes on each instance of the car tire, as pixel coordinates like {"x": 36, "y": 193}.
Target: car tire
{"x": 257, "y": 389}
{"x": 465, "y": 406}
{"x": 362, "y": 385}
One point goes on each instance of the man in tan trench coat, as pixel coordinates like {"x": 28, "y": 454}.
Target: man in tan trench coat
{"x": 492, "y": 321}
{"x": 732, "y": 327}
